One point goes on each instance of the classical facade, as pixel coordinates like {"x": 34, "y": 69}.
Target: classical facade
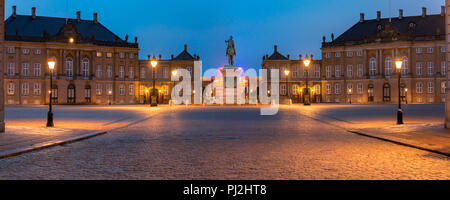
{"x": 163, "y": 75}
{"x": 358, "y": 66}
{"x": 93, "y": 65}
{"x": 293, "y": 85}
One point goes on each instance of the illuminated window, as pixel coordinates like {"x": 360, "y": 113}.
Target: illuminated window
{"x": 109, "y": 55}
{"x": 99, "y": 54}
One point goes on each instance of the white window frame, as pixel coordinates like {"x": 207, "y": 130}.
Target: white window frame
{"x": 37, "y": 89}
{"x": 350, "y": 71}
{"x": 337, "y": 71}
{"x": 99, "y": 89}
{"x": 337, "y": 88}
{"x": 122, "y": 89}
{"x": 419, "y": 88}
{"x": 444, "y": 68}
{"x": 360, "y": 70}
{"x": 10, "y": 69}
{"x": 69, "y": 68}
{"x": 25, "y": 89}
{"x": 121, "y": 72}
{"x": 419, "y": 68}
{"x": 131, "y": 90}
{"x": 373, "y": 67}
{"x": 11, "y": 88}
{"x": 37, "y": 69}
{"x": 430, "y": 68}
{"x": 430, "y": 86}
{"x": 85, "y": 68}
{"x": 25, "y": 69}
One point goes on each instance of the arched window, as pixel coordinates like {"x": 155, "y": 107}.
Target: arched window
{"x": 386, "y": 92}
{"x": 373, "y": 67}
{"x": 85, "y": 68}
{"x": 388, "y": 66}
{"x": 405, "y": 66}
{"x": 69, "y": 68}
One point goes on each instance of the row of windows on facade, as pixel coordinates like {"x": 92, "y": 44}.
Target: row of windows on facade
{"x": 12, "y": 50}
{"x": 99, "y": 90}
{"x": 360, "y": 89}
{"x": 388, "y": 69}
{"x": 360, "y": 53}
{"x": 85, "y": 70}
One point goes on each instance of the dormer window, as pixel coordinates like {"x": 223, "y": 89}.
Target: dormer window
{"x": 412, "y": 25}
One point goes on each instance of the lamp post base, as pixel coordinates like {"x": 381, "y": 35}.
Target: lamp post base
{"x": 399, "y": 116}
{"x": 153, "y": 101}
{"x": 50, "y": 119}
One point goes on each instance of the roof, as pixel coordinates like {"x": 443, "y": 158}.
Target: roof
{"x": 276, "y": 55}
{"x": 184, "y": 55}
{"x": 414, "y": 28}
{"x": 40, "y": 29}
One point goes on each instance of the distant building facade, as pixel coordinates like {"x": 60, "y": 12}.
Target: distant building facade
{"x": 359, "y": 65}
{"x": 2, "y": 40}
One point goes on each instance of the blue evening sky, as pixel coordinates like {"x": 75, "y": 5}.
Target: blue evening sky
{"x": 164, "y": 26}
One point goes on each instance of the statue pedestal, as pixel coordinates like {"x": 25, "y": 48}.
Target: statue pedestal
{"x": 233, "y": 88}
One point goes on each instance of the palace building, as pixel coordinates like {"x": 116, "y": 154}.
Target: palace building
{"x": 358, "y": 66}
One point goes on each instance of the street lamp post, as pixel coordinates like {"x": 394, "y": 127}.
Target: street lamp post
{"x": 286, "y": 73}
{"x": 399, "y": 64}
{"x": 306, "y": 97}
{"x": 154, "y": 63}
{"x": 51, "y": 66}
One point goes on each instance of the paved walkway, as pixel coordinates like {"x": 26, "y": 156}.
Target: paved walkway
{"x": 26, "y": 130}
{"x": 423, "y": 128}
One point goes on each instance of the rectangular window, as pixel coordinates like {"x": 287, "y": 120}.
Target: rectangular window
{"x": 419, "y": 88}
{"x": 430, "y": 87}
{"x": 99, "y": 89}
{"x": 350, "y": 71}
{"x": 295, "y": 72}
{"x": 109, "y": 55}
{"x": 121, "y": 72}
{"x": 328, "y": 71}
{"x": 109, "y": 89}
{"x": 189, "y": 70}
{"x": 359, "y": 88}
{"x": 419, "y": 67}
{"x": 337, "y": 88}
{"x": 430, "y": 50}
{"x": 338, "y": 54}
{"x": 122, "y": 55}
{"x": 109, "y": 71}
{"x": 444, "y": 68}
{"x": 37, "y": 89}
{"x": 350, "y": 88}
{"x": 430, "y": 68}
{"x": 349, "y": 54}
{"x": 359, "y": 53}
{"x": 131, "y": 90}
{"x": 337, "y": 71}
{"x": 131, "y": 72}
{"x": 10, "y": 70}
{"x": 37, "y": 52}
{"x": 283, "y": 89}
{"x": 443, "y": 49}
{"x": 99, "y": 54}
{"x": 25, "y": 89}
{"x": 418, "y": 50}
{"x": 166, "y": 72}
{"x": 317, "y": 71}
{"x": 142, "y": 73}
{"x": 131, "y": 55}
{"x": 122, "y": 89}
{"x": 26, "y": 51}
{"x": 360, "y": 70}
{"x": 11, "y": 88}
{"x": 99, "y": 71}
{"x": 11, "y": 50}
{"x": 25, "y": 69}
{"x": 328, "y": 88}
{"x": 37, "y": 69}
{"x": 328, "y": 55}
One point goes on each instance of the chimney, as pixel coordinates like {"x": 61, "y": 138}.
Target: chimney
{"x": 33, "y": 12}
{"x": 185, "y": 47}
{"x": 400, "y": 14}
{"x": 442, "y": 11}
{"x": 14, "y": 13}
{"x": 78, "y": 16}
{"x": 424, "y": 12}
{"x": 275, "y": 48}
{"x": 378, "y": 15}
{"x": 312, "y": 57}
{"x": 324, "y": 39}
{"x": 126, "y": 38}
{"x": 96, "y": 18}
{"x": 135, "y": 40}
{"x": 332, "y": 37}
{"x": 171, "y": 57}
{"x": 160, "y": 57}
{"x": 361, "y": 17}
{"x": 300, "y": 56}
{"x": 288, "y": 56}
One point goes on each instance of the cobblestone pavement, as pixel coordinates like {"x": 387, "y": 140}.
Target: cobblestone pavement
{"x": 230, "y": 143}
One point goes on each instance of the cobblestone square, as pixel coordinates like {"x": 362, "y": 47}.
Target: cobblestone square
{"x": 230, "y": 143}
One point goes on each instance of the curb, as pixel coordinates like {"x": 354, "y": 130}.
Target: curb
{"x": 45, "y": 145}
{"x": 400, "y": 143}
